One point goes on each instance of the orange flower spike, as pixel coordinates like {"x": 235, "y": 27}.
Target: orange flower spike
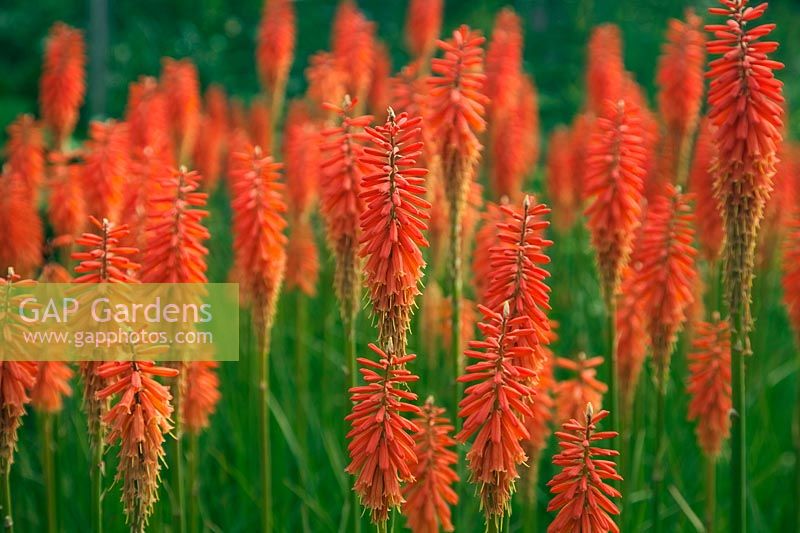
{"x": 430, "y": 495}
{"x": 668, "y": 269}
{"x": 423, "y": 25}
{"x": 340, "y": 201}
{"x": 504, "y": 64}
{"x": 709, "y": 383}
{"x": 485, "y": 240}
{"x": 573, "y": 394}
{"x": 103, "y": 260}
{"x": 353, "y": 43}
{"x": 201, "y": 395}
{"x": 25, "y": 151}
{"x": 392, "y": 223}
{"x": 381, "y": 444}
{"x": 710, "y": 232}
{"x": 543, "y": 409}
{"x": 258, "y": 225}
{"x": 258, "y": 124}
{"x": 581, "y": 494}
{"x": 176, "y": 252}
{"x": 605, "y": 74}
{"x": 562, "y": 194}
{"x": 632, "y": 339}
{"x": 276, "y": 41}
{"x": 182, "y": 87}
{"x": 518, "y": 277}
{"x": 380, "y": 91}
{"x": 680, "y": 73}
{"x": 495, "y": 407}
{"x": 62, "y": 86}
{"x": 16, "y": 377}
{"x": 515, "y": 143}
{"x": 52, "y": 384}
{"x": 326, "y": 79}
{"x": 20, "y": 226}
{"x": 139, "y": 420}
{"x": 106, "y": 168}
{"x": 456, "y": 108}
{"x": 302, "y": 259}
{"x": 746, "y": 109}
{"x": 147, "y": 114}
{"x": 301, "y": 148}
{"x": 615, "y": 182}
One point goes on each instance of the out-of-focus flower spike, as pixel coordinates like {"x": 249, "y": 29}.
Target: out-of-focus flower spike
{"x": 62, "y": 86}
{"x": 276, "y": 42}
{"x": 710, "y": 232}
{"x": 20, "y": 225}
{"x": 605, "y": 75}
{"x": 573, "y": 394}
{"x": 423, "y": 25}
{"x": 25, "y": 152}
{"x": 106, "y": 168}
{"x": 182, "y": 87}
{"x": 353, "y": 45}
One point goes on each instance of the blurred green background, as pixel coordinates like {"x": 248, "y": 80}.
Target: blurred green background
{"x": 220, "y": 37}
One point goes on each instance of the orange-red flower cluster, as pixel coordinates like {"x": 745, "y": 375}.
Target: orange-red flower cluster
{"x": 25, "y": 151}
{"x": 430, "y": 495}
{"x": 66, "y": 209}
{"x": 147, "y": 114}
{"x": 581, "y": 493}
{"x": 139, "y": 420}
{"x": 212, "y": 137}
{"x": 709, "y": 383}
{"x": 276, "y": 39}
{"x": 423, "y": 24}
{"x": 326, "y": 79}
{"x": 615, "y": 180}
{"x": 667, "y": 273}
{"x": 573, "y": 394}
{"x": 605, "y": 74}
{"x": 258, "y": 225}
{"x": 632, "y": 339}
{"x": 353, "y": 44}
{"x": 381, "y": 443}
{"x": 392, "y": 223}
{"x": 680, "y": 78}
{"x": 63, "y": 83}
{"x": 20, "y": 225}
{"x": 504, "y": 63}
{"x": 495, "y": 407}
{"x": 560, "y": 182}
{"x": 302, "y": 259}
{"x": 182, "y": 87}
{"x": 485, "y": 240}
{"x": 201, "y": 395}
{"x": 710, "y": 232}
{"x": 52, "y": 384}
{"x": 104, "y": 260}
{"x": 746, "y": 109}
{"x": 106, "y": 168}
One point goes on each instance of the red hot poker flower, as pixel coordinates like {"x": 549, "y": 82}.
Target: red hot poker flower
{"x": 63, "y": 82}
{"x": 182, "y": 88}
{"x": 632, "y": 339}
{"x": 326, "y": 79}
{"x": 746, "y": 109}
{"x": 201, "y": 395}
{"x": 605, "y": 75}
{"x": 615, "y": 180}
{"x": 423, "y": 24}
{"x": 139, "y": 420}
{"x": 276, "y": 40}
{"x": 17, "y": 378}
{"x": 147, "y": 116}
{"x": 581, "y": 494}
{"x": 52, "y": 384}
{"x": 709, "y": 383}
{"x": 485, "y": 240}
{"x": 302, "y": 259}
{"x": 430, "y": 495}
{"x": 392, "y": 223}
{"x": 106, "y": 169}
{"x": 353, "y": 44}
{"x": 301, "y": 152}
{"x": 381, "y": 446}
{"x": 20, "y": 225}
{"x": 504, "y": 63}
{"x": 573, "y": 394}
{"x": 66, "y": 209}
{"x": 710, "y": 232}
{"x": 25, "y": 150}
{"x": 561, "y": 193}
{"x": 495, "y": 408}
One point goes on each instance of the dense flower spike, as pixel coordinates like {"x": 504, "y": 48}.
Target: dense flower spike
{"x": 276, "y": 40}
{"x": 581, "y": 493}
{"x": 632, "y": 339}
{"x": 175, "y": 237}
{"x": 341, "y": 204}
{"x": 430, "y": 495}
{"x": 106, "y": 169}
{"x": 543, "y": 409}
{"x": 495, "y": 407}
{"x": 456, "y": 110}
{"x": 103, "y": 259}
{"x": 201, "y": 395}
{"x": 63, "y": 83}
{"x": 52, "y": 384}
{"x": 560, "y": 182}
{"x": 423, "y": 24}
{"x": 709, "y": 383}
{"x": 381, "y": 444}
{"x": 139, "y": 420}
{"x": 580, "y": 134}
{"x": 485, "y": 240}
{"x": 605, "y": 75}
{"x": 147, "y": 114}
{"x": 380, "y": 90}
{"x": 301, "y": 149}
{"x": 667, "y": 270}
{"x": 680, "y": 81}
{"x": 258, "y": 226}
{"x": 259, "y": 118}
{"x": 20, "y": 226}
{"x": 392, "y": 224}
{"x": 326, "y": 79}
{"x": 515, "y": 143}
{"x": 353, "y": 43}
{"x": 212, "y": 137}
{"x": 518, "y": 277}
{"x": 16, "y": 377}
{"x": 25, "y": 151}
{"x": 182, "y": 87}
{"x": 302, "y": 259}
{"x": 710, "y": 232}
{"x": 573, "y": 394}
{"x": 614, "y": 179}
{"x": 745, "y": 108}
{"x": 504, "y": 64}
